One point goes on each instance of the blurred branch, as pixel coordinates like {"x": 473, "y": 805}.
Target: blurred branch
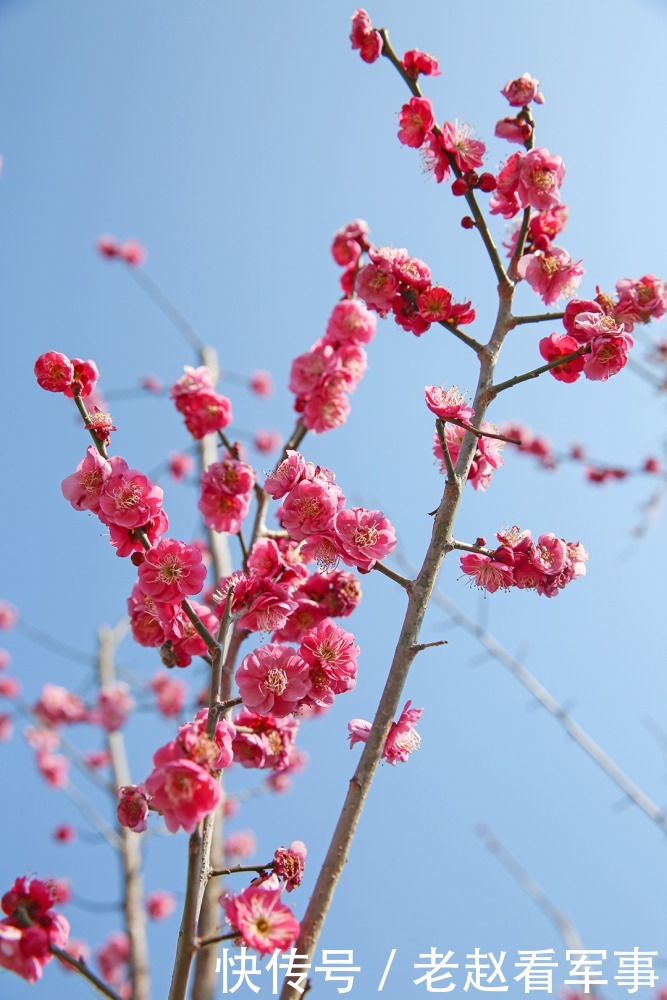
{"x": 553, "y": 707}
{"x": 130, "y": 842}
{"x": 563, "y": 924}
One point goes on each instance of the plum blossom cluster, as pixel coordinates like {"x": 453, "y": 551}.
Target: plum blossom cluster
{"x": 279, "y": 595}
{"x": 226, "y": 492}
{"x": 266, "y": 742}
{"x": 449, "y": 406}
{"x": 531, "y": 443}
{"x": 204, "y": 410}
{"x": 487, "y": 457}
{"x": 277, "y": 680}
{"x": 394, "y": 282}
{"x": 130, "y": 251}
{"x": 519, "y": 92}
{"x": 603, "y": 341}
{"x": 182, "y": 787}
{"x": 546, "y": 565}
{"x": 314, "y": 511}
{"x": 323, "y": 377}
{"x": 56, "y": 373}
{"x": 124, "y": 499}
{"x": 401, "y": 740}
{"x": 364, "y": 37}
{"x": 30, "y": 928}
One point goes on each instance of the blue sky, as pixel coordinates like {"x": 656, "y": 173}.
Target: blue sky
{"x": 234, "y": 142}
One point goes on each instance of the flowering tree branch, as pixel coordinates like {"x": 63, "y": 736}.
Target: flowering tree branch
{"x": 480, "y": 221}
{"x": 536, "y": 372}
{"x": 80, "y": 966}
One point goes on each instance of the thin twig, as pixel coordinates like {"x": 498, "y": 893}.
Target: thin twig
{"x": 80, "y": 966}
{"x": 563, "y": 924}
{"x": 402, "y": 581}
{"x": 536, "y": 372}
{"x": 538, "y": 318}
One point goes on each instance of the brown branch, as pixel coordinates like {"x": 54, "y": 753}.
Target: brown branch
{"x": 80, "y": 966}
{"x": 392, "y": 575}
{"x": 480, "y": 221}
{"x": 406, "y": 650}
{"x": 130, "y": 842}
{"x": 185, "y": 946}
{"x": 536, "y": 372}
{"x": 539, "y": 318}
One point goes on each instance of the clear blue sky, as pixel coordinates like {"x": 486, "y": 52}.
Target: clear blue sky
{"x": 233, "y": 141}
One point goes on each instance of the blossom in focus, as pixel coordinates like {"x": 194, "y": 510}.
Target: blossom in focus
{"x": 273, "y": 679}
{"x": 171, "y": 571}
{"x": 262, "y": 920}
{"x": 364, "y": 536}
{"x": 448, "y": 404}
{"x": 457, "y": 140}
{"x": 551, "y": 273}
{"x": 54, "y": 371}
{"x": 183, "y": 793}
{"x": 401, "y": 740}
{"x": 522, "y": 90}
{"x": 415, "y": 62}
{"x": 554, "y": 347}
{"x": 416, "y": 119}
{"x": 289, "y": 863}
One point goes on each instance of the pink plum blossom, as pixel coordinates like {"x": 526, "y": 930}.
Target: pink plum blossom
{"x": 273, "y": 679}
{"x": 350, "y": 321}
{"x": 289, "y": 473}
{"x": 490, "y": 573}
{"x": 554, "y": 347}
{"x": 262, "y": 921}
{"x": 57, "y": 706}
{"x": 132, "y": 809}
{"x": 331, "y": 656}
{"x": 30, "y": 928}
{"x": 415, "y": 62}
{"x": 364, "y": 37}
{"x": 364, "y": 536}
{"x": 171, "y": 571}
{"x": 128, "y": 498}
{"x": 183, "y": 793}
{"x": 289, "y": 863}
{"x": 522, "y": 90}
{"x": 160, "y": 904}
{"x": 448, "y": 404}
{"x": 264, "y": 741}
{"x": 310, "y": 508}
{"x": 240, "y": 844}
{"x": 114, "y": 704}
{"x": 84, "y": 487}
{"x": 8, "y": 615}
{"x": 401, "y": 740}
{"x": 416, "y": 119}
{"x": 54, "y": 371}
{"x": 261, "y": 383}
{"x": 551, "y": 273}
{"x": 457, "y": 140}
